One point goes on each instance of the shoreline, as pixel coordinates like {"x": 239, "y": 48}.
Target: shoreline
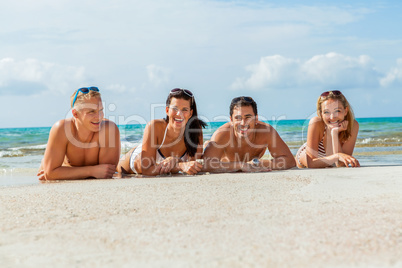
{"x": 333, "y": 217}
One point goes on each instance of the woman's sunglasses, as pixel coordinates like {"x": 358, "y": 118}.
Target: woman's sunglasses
{"x": 335, "y": 92}
{"x": 178, "y": 90}
{"x": 84, "y": 90}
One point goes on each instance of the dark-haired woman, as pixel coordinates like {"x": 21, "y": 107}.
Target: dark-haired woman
{"x": 331, "y": 135}
{"x": 169, "y": 145}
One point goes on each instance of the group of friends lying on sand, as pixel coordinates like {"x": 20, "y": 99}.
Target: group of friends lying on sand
{"x": 88, "y": 145}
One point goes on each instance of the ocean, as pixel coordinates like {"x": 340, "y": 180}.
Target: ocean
{"x": 21, "y": 149}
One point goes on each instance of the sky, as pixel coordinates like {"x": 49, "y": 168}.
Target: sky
{"x": 284, "y": 54}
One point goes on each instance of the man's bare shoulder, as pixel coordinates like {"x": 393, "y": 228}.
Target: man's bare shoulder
{"x": 222, "y": 134}
{"x": 61, "y": 125}
{"x": 265, "y": 132}
{"x": 263, "y": 125}
{"x": 60, "y": 130}
{"x": 109, "y": 129}
{"x": 109, "y": 125}
{"x": 225, "y": 126}
{"x": 62, "y": 122}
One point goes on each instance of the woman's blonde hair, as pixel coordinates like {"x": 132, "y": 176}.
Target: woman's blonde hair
{"x": 350, "y": 117}
{"x": 81, "y": 97}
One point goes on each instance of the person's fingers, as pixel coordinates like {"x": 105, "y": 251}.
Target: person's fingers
{"x": 169, "y": 166}
{"x": 345, "y": 161}
{"x": 158, "y": 169}
{"x": 355, "y": 162}
{"x": 198, "y": 167}
{"x": 351, "y": 161}
{"x": 191, "y": 170}
{"x": 163, "y": 167}
{"x": 162, "y": 170}
{"x": 358, "y": 163}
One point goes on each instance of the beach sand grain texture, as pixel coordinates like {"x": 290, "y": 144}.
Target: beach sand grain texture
{"x": 295, "y": 218}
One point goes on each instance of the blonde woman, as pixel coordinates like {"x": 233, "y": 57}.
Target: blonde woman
{"x": 331, "y": 136}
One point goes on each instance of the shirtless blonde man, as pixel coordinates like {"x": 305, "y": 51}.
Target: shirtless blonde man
{"x": 239, "y": 144}
{"x": 84, "y": 146}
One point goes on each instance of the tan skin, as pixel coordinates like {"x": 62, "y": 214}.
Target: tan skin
{"x": 173, "y": 147}
{"x": 331, "y": 122}
{"x": 84, "y": 146}
{"x": 235, "y": 144}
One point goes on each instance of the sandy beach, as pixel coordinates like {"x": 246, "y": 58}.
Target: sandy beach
{"x": 295, "y": 218}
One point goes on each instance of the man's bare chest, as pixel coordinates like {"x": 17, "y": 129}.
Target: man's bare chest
{"x": 76, "y": 156}
{"x": 243, "y": 154}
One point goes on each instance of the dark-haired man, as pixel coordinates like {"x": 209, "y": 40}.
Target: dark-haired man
{"x": 239, "y": 144}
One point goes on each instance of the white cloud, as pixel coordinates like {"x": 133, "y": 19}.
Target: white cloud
{"x": 31, "y": 76}
{"x": 271, "y": 71}
{"x": 394, "y": 76}
{"x": 157, "y": 75}
{"x": 337, "y": 70}
{"x": 331, "y": 70}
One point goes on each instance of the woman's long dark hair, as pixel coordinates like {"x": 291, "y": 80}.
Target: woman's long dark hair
{"x": 194, "y": 125}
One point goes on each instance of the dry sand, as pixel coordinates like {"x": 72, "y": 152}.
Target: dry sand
{"x": 295, "y": 218}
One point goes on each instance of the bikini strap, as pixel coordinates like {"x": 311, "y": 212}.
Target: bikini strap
{"x": 164, "y": 136}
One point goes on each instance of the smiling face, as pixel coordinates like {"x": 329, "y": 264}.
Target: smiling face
{"x": 243, "y": 120}
{"x": 90, "y": 114}
{"x": 179, "y": 112}
{"x": 333, "y": 112}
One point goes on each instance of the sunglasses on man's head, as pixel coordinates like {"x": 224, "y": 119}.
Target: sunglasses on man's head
{"x": 246, "y": 99}
{"x": 335, "y": 92}
{"x": 84, "y": 90}
{"x": 178, "y": 90}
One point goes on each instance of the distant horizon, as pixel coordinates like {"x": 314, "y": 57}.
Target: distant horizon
{"x": 357, "y": 118}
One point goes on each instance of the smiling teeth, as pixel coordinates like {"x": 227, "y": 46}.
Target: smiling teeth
{"x": 178, "y": 120}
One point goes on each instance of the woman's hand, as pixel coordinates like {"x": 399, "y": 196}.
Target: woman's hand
{"x": 168, "y": 164}
{"x": 190, "y": 167}
{"x": 341, "y": 126}
{"x": 348, "y": 160}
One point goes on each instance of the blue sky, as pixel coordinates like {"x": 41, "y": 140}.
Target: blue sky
{"x": 281, "y": 53}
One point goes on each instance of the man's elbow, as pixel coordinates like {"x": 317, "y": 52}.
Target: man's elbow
{"x": 291, "y": 162}
{"x": 284, "y": 162}
{"x": 211, "y": 164}
{"x": 49, "y": 174}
